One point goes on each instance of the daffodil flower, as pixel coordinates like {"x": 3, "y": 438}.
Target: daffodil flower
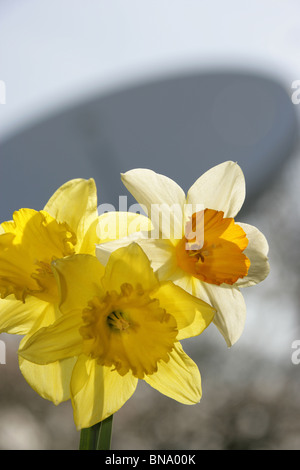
{"x": 213, "y": 266}
{"x": 122, "y": 325}
{"x": 28, "y": 245}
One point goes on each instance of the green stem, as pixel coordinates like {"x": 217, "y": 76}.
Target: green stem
{"x": 88, "y": 437}
{"x": 97, "y": 437}
{"x": 104, "y": 435}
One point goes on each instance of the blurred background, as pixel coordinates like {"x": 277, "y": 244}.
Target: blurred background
{"x": 93, "y": 89}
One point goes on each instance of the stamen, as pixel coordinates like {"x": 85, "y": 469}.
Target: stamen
{"x": 128, "y": 330}
{"x": 117, "y": 321}
{"x": 220, "y": 259}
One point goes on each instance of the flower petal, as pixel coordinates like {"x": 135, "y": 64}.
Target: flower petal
{"x": 230, "y": 308}
{"x": 162, "y": 199}
{"x": 79, "y": 279}
{"x": 159, "y": 251}
{"x": 257, "y": 251}
{"x": 17, "y": 317}
{"x": 61, "y": 340}
{"x": 98, "y": 392}
{"x": 75, "y": 203}
{"x": 51, "y": 381}
{"x": 221, "y": 188}
{"x": 118, "y": 225}
{"x": 191, "y": 314}
{"x": 178, "y": 379}
{"x": 31, "y": 241}
{"x": 228, "y": 302}
{"x": 129, "y": 265}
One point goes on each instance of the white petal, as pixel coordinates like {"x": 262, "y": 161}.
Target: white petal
{"x": 162, "y": 199}
{"x": 160, "y": 252}
{"x": 257, "y": 251}
{"x": 229, "y": 303}
{"x": 230, "y": 308}
{"x": 221, "y": 188}
{"x": 104, "y": 250}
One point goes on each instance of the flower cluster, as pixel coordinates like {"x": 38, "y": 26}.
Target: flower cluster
{"x": 98, "y": 314}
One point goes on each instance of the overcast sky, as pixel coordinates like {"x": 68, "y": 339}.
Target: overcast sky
{"x": 55, "y": 52}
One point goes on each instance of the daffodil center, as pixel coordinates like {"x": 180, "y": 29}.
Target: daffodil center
{"x": 128, "y": 330}
{"x": 117, "y": 321}
{"x": 218, "y": 257}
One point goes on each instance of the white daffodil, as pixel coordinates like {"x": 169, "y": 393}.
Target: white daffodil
{"x": 202, "y": 248}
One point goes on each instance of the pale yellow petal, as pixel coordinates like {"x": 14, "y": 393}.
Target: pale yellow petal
{"x": 181, "y": 278}
{"x": 230, "y": 308}
{"x": 98, "y": 392}
{"x": 75, "y": 203}
{"x": 89, "y": 239}
{"x": 221, "y": 188}
{"x": 191, "y": 314}
{"x": 257, "y": 251}
{"x": 158, "y": 251}
{"x": 117, "y": 225}
{"x": 61, "y": 340}
{"x": 162, "y": 199}
{"x": 51, "y": 381}
{"x": 129, "y": 265}
{"x": 79, "y": 280}
{"x": 113, "y": 226}
{"x": 104, "y": 250}
{"x": 178, "y": 379}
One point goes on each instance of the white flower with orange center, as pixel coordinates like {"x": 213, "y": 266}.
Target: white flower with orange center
{"x": 121, "y": 324}
{"x": 203, "y": 249}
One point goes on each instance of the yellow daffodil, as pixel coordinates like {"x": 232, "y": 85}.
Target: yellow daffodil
{"x": 216, "y": 262}
{"x": 122, "y": 325}
{"x": 28, "y": 245}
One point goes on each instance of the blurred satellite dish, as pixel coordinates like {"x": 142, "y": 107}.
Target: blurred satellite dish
{"x": 179, "y": 126}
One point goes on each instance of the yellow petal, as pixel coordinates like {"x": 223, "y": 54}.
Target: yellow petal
{"x": 162, "y": 199}
{"x": 51, "y": 381}
{"x": 88, "y": 239}
{"x": 221, "y": 188}
{"x": 32, "y": 240}
{"x": 98, "y": 392}
{"x": 178, "y": 379}
{"x": 129, "y": 265}
{"x": 79, "y": 280}
{"x": 61, "y": 340}
{"x": 75, "y": 203}
{"x": 191, "y": 314}
{"x": 17, "y": 317}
